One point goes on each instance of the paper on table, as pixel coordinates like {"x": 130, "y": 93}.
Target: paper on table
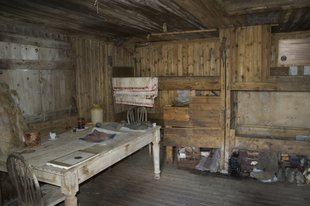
{"x": 71, "y": 160}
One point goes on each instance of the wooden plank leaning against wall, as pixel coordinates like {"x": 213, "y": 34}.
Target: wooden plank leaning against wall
{"x": 94, "y": 61}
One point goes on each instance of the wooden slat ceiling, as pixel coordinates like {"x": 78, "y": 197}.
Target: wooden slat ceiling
{"x": 137, "y": 18}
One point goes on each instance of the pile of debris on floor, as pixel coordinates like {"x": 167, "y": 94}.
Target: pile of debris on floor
{"x": 270, "y": 166}
{"x": 202, "y": 159}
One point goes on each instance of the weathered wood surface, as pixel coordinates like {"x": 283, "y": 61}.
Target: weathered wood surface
{"x": 58, "y": 126}
{"x": 283, "y": 109}
{"x": 272, "y": 132}
{"x": 191, "y": 64}
{"x": 294, "y": 86}
{"x": 206, "y": 111}
{"x": 37, "y": 64}
{"x": 257, "y": 51}
{"x": 106, "y": 155}
{"x": 277, "y": 145}
{"x": 178, "y": 114}
{"x": 127, "y": 183}
{"x": 253, "y": 51}
{"x": 189, "y": 83}
{"x": 94, "y": 61}
{"x": 119, "y": 19}
{"x": 179, "y": 58}
{"x": 199, "y": 137}
{"x": 203, "y": 111}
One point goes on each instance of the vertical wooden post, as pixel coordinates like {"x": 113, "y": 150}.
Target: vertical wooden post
{"x": 226, "y": 79}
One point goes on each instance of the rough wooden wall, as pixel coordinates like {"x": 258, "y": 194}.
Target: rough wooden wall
{"x": 277, "y": 109}
{"x": 187, "y": 58}
{"x": 37, "y": 64}
{"x": 94, "y": 61}
{"x": 253, "y": 52}
{"x": 179, "y": 58}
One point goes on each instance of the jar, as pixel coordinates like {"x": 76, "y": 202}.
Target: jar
{"x": 96, "y": 114}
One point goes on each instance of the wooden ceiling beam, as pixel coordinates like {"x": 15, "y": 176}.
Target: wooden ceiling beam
{"x": 240, "y": 7}
{"x": 209, "y": 12}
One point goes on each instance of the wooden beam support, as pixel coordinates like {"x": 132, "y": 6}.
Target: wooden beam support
{"x": 183, "y": 32}
{"x": 288, "y": 133}
{"x": 7, "y": 64}
{"x": 240, "y": 7}
{"x": 191, "y": 83}
{"x": 303, "y": 86}
{"x": 199, "y": 137}
{"x": 286, "y": 146}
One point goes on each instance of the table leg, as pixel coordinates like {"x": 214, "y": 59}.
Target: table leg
{"x": 71, "y": 200}
{"x": 156, "y": 155}
{"x": 69, "y": 188}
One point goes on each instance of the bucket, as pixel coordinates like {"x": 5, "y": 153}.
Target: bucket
{"x": 96, "y": 114}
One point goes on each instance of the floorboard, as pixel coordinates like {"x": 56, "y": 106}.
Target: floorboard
{"x": 131, "y": 183}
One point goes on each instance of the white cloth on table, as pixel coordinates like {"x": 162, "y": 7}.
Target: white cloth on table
{"x": 139, "y": 91}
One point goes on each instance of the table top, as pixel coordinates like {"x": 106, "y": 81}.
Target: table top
{"x": 69, "y": 142}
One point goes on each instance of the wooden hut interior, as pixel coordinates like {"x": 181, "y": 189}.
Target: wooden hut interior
{"x": 230, "y": 98}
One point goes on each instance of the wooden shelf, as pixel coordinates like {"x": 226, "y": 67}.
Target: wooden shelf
{"x": 302, "y": 86}
{"x": 278, "y": 145}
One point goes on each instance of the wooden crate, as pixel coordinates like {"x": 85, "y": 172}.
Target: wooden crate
{"x": 199, "y": 137}
{"x": 176, "y": 116}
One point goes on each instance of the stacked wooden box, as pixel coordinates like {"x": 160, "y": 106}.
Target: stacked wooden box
{"x": 200, "y": 124}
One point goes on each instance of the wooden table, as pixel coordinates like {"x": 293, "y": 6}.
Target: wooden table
{"x": 107, "y": 154}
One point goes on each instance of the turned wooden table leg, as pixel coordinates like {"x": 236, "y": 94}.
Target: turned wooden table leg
{"x": 156, "y": 155}
{"x": 71, "y": 200}
{"x": 69, "y": 188}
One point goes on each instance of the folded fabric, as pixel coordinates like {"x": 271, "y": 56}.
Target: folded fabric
{"x": 138, "y": 91}
{"x": 134, "y": 100}
{"x": 135, "y": 84}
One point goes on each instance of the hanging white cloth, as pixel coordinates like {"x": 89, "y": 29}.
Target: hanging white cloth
{"x": 139, "y": 91}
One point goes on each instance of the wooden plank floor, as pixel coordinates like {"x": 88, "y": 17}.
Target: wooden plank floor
{"x": 131, "y": 183}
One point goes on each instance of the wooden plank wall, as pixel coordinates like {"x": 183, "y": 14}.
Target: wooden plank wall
{"x": 256, "y": 51}
{"x": 187, "y": 58}
{"x": 122, "y": 57}
{"x": 179, "y": 58}
{"x": 37, "y": 63}
{"x": 277, "y": 109}
{"x": 94, "y": 59}
{"x": 253, "y": 51}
